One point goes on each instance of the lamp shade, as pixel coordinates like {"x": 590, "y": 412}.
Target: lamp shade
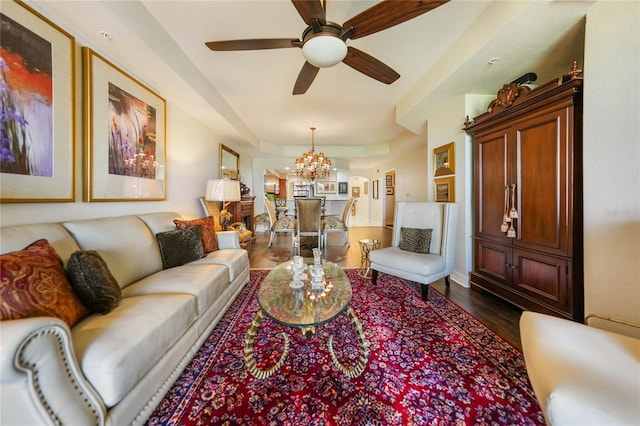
{"x": 222, "y": 190}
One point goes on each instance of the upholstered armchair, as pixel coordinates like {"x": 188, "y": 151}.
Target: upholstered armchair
{"x": 284, "y": 224}
{"x": 340, "y": 224}
{"x": 212, "y": 208}
{"x": 417, "y": 254}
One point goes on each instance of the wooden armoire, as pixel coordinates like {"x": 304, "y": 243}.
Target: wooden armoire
{"x": 527, "y": 163}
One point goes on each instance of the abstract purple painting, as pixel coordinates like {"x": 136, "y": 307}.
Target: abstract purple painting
{"x": 26, "y": 101}
{"x": 132, "y": 135}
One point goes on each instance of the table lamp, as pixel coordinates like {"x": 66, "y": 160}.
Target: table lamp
{"x": 224, "y": 190}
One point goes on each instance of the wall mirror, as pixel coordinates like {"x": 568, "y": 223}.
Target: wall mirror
{"x": 229, "y": 163}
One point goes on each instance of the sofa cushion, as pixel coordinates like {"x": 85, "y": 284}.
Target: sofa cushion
{"x": 33, "y": 283}
{"x": 416, "y": 240}
{"x": 93, "y": 282}
{"x": 160, "y": 221}
{"x": 205, "y": 282}
{"x": 414, "y": 263}
{"x": 180, "y": 246}
{"x": 116, "y": 350}
{"x": 124, "y": 242}
{"x": 236, "y": 261}
{"x": 207, "y": 226}
{"x": 17, "y": 237}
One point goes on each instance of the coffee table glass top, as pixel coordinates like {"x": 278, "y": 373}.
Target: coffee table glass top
{"x": 302, "y": 307}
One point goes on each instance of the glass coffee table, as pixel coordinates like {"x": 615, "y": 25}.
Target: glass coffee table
{"x": 306, "y": 310}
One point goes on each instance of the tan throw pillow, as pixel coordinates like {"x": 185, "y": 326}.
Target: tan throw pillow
{"x": 180, "y": 246}
{"x": 416, "y": 240}
{"x": 33, "y": 283}
{"x": 207, "y": 228}
{"x": 93, "y": 282}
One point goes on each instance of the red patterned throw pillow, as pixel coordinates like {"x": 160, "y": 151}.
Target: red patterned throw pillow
{"x": 207, "y": 228}
{"x": 33, "y": 283}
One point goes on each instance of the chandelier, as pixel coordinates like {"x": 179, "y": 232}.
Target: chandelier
{"x": 312, "y": 166}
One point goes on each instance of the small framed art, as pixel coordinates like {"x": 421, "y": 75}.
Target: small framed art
{"x": 342, "y": 188}
{"x": 444, "y": 160}
{"x": 444, "y": 189}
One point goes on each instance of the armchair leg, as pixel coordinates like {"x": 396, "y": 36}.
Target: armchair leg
{"x": 374, "y": 276}
{"x": 425, "y": 291}
{"x": 447, "y": 283}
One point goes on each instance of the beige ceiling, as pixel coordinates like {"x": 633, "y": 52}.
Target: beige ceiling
{"x": 245, "y": 97}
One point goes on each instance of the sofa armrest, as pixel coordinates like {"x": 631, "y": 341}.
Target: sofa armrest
{"x": 581, "y": 375}
{"x": 40, "y": 380}
{"x": 228, "y": 239}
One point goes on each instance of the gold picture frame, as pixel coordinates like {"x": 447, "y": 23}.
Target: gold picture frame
{"x": 444, "y": 189}
{"x": 37, "y": 164}
{"x": 125, "y": 143}
{"x": 444, "y": 160}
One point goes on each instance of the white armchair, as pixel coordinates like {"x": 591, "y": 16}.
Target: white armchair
{"x": 420, "y": 267}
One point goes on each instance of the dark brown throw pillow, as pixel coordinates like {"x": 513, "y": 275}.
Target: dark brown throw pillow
{"x": 93, "y": 282}
{"x": 416, "y": 240}
{"x": 180, "y": 246}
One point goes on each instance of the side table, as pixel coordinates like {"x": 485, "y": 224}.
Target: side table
{"x": 366, "y": 246}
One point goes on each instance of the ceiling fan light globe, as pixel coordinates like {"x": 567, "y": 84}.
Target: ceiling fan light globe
{"x": 324, "y": 50}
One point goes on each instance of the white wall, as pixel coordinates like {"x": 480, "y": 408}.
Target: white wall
{"x": 612, "y": 161}
{"x": 411, "y": 179}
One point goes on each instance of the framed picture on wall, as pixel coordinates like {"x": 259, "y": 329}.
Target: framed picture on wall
{"x": 376, "y": 183}
{"x": 37, "y": 98}
{"x": 125, "y": 155}
{"x": 444, "y": 189}
{"x": 355, "y": 191}
{"x": 342, "y": 188}
{"x": 326, "y": 187}
{"x": 389, "y": 180}
{"x": 390, "y": 190}
{"x": 444, "y": 160}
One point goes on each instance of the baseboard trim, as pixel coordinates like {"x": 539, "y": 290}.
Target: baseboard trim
{"x": 461, "y": 279}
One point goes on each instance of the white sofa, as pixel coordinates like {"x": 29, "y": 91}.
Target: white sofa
{"x": 581, "y": 375}
{"x": 114, "y": 369}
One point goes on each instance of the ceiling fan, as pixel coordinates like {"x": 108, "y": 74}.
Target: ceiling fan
{"x": 323, "y": 42}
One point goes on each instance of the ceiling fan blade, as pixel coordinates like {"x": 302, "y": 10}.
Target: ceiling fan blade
{"x": 309, "y": 10}
{"x": 305, "y": 78}
{"x": 253, "y": 44}
{"x": 368, "y": 65}
{"x": 388, "y": 13}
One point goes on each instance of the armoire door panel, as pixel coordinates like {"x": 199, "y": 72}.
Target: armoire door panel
{"x": 542, "y": 276}
{"x": 492, "y": 261}
{"x": 542, "y": 183}
{"x": 490, "y": 159}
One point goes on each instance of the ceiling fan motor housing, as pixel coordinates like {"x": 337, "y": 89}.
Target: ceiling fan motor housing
{"x": 325, "y": 48}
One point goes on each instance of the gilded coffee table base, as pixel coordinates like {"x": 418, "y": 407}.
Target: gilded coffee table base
{"x": 249, "y": 358}
{"x": 259, "y": 373}
{"x": 364, "y": 349}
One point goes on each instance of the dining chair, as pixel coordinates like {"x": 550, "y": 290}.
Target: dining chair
{"x": 309, "y": 218}
{"x": 284, "y": 224}
{"x": 341, "y": 224}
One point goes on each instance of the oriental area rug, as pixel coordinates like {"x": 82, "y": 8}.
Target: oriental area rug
{"x": 430, "y": 363}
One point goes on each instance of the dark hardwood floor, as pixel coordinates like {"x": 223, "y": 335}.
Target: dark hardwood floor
{"x": 496, "y": 314}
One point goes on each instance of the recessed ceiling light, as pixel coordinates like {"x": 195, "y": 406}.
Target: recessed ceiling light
{"x": 493, "y": 60}
{"x": 105, "y": 35}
